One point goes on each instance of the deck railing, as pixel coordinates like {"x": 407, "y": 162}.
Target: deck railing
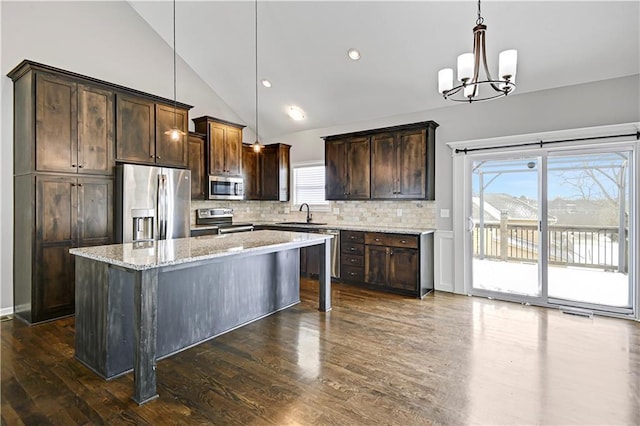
{"x": 585, "y": 246}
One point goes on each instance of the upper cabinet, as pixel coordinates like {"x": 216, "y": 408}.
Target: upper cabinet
{"x": 197, "y": 153}
{"x": 64, "y": 125}
{"x": 388, "y": 163}
{"x": 347, "y": 168}
{"x": 224, "y": 141}
{"x": 71, "y": 123}
{"x": 266, "y": 173}
{"x": 142, "y": 129}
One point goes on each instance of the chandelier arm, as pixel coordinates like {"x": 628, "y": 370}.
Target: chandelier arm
{"x": 476, "y": 56}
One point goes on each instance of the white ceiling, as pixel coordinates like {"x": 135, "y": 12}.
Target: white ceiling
{"x": 302, "y": 49}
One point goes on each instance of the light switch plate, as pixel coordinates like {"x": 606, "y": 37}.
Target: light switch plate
{"x": 336, "y": 210}
{"x": 444, "y": 212}
{"x": 398, "y": 212}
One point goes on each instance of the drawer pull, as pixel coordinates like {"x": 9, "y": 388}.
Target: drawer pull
{"x": 353, "y": 261}
{"x": 376, "y": 239}
{"x": 352, "y": 249}
{"x": 403, "y": 241}
{"x": 353, "y": 274}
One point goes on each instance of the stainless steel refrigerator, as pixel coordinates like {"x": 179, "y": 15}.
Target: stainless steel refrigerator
{"x": 152, "y": 203}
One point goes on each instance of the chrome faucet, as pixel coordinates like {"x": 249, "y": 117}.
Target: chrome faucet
{"x": 308, "y": 214}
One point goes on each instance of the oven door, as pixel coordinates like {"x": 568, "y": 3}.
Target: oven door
{"x": 225, "y": 188}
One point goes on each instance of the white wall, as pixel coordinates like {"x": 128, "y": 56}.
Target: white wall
{"x": 104, "y": 40}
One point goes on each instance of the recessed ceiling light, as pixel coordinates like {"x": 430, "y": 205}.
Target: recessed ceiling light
{"x": 295, "y": 113}
{"x": 265, "y": 82}
{"x": 354, "y": 54}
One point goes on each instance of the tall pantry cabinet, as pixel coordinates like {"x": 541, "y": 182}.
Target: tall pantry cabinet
{"x": 65, "y": 137}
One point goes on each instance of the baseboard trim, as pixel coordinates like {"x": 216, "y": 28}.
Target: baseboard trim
{"x": 6, "y": 311}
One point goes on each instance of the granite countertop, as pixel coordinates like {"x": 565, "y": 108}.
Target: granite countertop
{"x": 154, "y": 254}
{"x": 348, "y": 227}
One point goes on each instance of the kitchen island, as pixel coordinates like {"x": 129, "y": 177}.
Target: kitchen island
{"x": 140, "y": 302}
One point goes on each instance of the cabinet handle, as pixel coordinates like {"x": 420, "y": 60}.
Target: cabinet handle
{"x": 73, "y": 184}
{"x": 80, "y": 166}
{"x": 352, "y": 249}
{"x": 403, "y": 241}
{"x": 376, "y": 239}
{"x": 352, "y": 237}
{"x": 390, "y": 252}
{"x": 79, "y": 184}
{"x": 353, "y": 261}
{"x": 353, "y": 273}
{"x": 158, "y": 157}
{"x": 73, "y": 165}
{"x": 150, "y": 155}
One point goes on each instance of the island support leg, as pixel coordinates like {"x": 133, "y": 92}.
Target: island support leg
{"x": 145, "y": 299}
{"x": 325, "y": 277}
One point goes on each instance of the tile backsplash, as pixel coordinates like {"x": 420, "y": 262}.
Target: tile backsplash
{"x": 399, "y": 213}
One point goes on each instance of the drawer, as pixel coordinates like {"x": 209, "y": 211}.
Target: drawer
{"x": 352, "y": 273}
{"x": 352, "y": 236}
{"x": 391, "y": 240}
{"x": 352, "y": 260}
{"x": 351, "y": 248}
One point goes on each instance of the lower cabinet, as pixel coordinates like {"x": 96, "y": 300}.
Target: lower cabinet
{"x": 69, "y": 212}
{"x": 392, "y": 262}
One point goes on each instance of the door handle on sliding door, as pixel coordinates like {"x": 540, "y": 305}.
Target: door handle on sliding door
{"x": 470, "y": 224}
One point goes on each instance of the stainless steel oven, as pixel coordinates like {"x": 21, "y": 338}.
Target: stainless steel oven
{"x": 226, "y": 188}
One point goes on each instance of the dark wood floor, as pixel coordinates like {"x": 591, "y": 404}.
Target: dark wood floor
{"x": 375, "y": 359}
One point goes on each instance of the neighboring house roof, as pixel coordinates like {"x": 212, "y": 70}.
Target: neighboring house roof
{"x": 517, "y": 208}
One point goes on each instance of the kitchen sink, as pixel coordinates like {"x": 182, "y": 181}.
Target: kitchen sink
{"x": 300, "y": 223}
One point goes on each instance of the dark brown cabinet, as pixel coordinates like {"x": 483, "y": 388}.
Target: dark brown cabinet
{"x": 224, "y": 141}
{"x": 347, "y": 168}
{"x": 197, "y": 154}
{"x": 168, "y": 151}
{"x": 70, "y": 212}
{"x": 73, "y": 127}
{"x": 142, "y": 127}
{"x": 266, "y": 173}
{"x": 387, "y": 163}
{"x": 352, "y": 256}
{"x": 393, "y": 261}
{"x": 399, "y": 164}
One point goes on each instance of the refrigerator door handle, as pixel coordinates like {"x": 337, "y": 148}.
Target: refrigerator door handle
{"x": 162, "y": 206}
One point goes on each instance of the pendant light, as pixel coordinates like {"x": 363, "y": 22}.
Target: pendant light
{"x": 256, "y": 145}
{"x": 469, "y": 67}
{"x": 174, "y": 133}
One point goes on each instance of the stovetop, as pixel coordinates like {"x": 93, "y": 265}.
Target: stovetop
{"x": 218, "y": 217}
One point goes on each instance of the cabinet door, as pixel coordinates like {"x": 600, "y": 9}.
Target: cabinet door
{"x": 56, "y": 218}
{"x": 284, "y": 164}
{"x": 95, "y": 211}
{"x": 135, "y": 133}
{"x": 168, "y": 151}
{"x": 269, "y": 173}
{"x": 359, "y": 169}
{"x": 403, "y": 268}
{"x": 233, "y": 152}
{"x": 56, "y": 124}
{"x": 412, "y": 163}
{"x": 335, "y": 160}
{"x": 376, "y": 265}
{"x": 250, "y": 171}
{"x": 217, "y": 137}
{"x": 383, "y": 166}
{"x": 95, "y": 130}
{"x": 196, "y": 165}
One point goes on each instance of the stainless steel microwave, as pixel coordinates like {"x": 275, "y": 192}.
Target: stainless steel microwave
{"x": 226, "y": 188}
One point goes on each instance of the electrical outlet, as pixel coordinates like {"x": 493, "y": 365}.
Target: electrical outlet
{"x": 444, "y": 212}
{"x": 398, "y": 212}
{"x": 336, "y": 210}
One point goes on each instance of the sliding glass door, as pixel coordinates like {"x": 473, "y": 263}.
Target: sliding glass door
{"x": 588, "y": 221}
{"x": 553, "y": 228}
{"x": 505, "y": 219}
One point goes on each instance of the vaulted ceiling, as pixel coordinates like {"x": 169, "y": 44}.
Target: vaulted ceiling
{"x": 302, "y": 50}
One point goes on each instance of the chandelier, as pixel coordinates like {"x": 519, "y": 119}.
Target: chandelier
{"x": 469, "y": 67}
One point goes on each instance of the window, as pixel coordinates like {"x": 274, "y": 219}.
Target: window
{"x": 308, "y": 185}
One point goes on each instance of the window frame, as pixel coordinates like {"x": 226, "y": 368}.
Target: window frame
{"x": 295, "y": 204}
